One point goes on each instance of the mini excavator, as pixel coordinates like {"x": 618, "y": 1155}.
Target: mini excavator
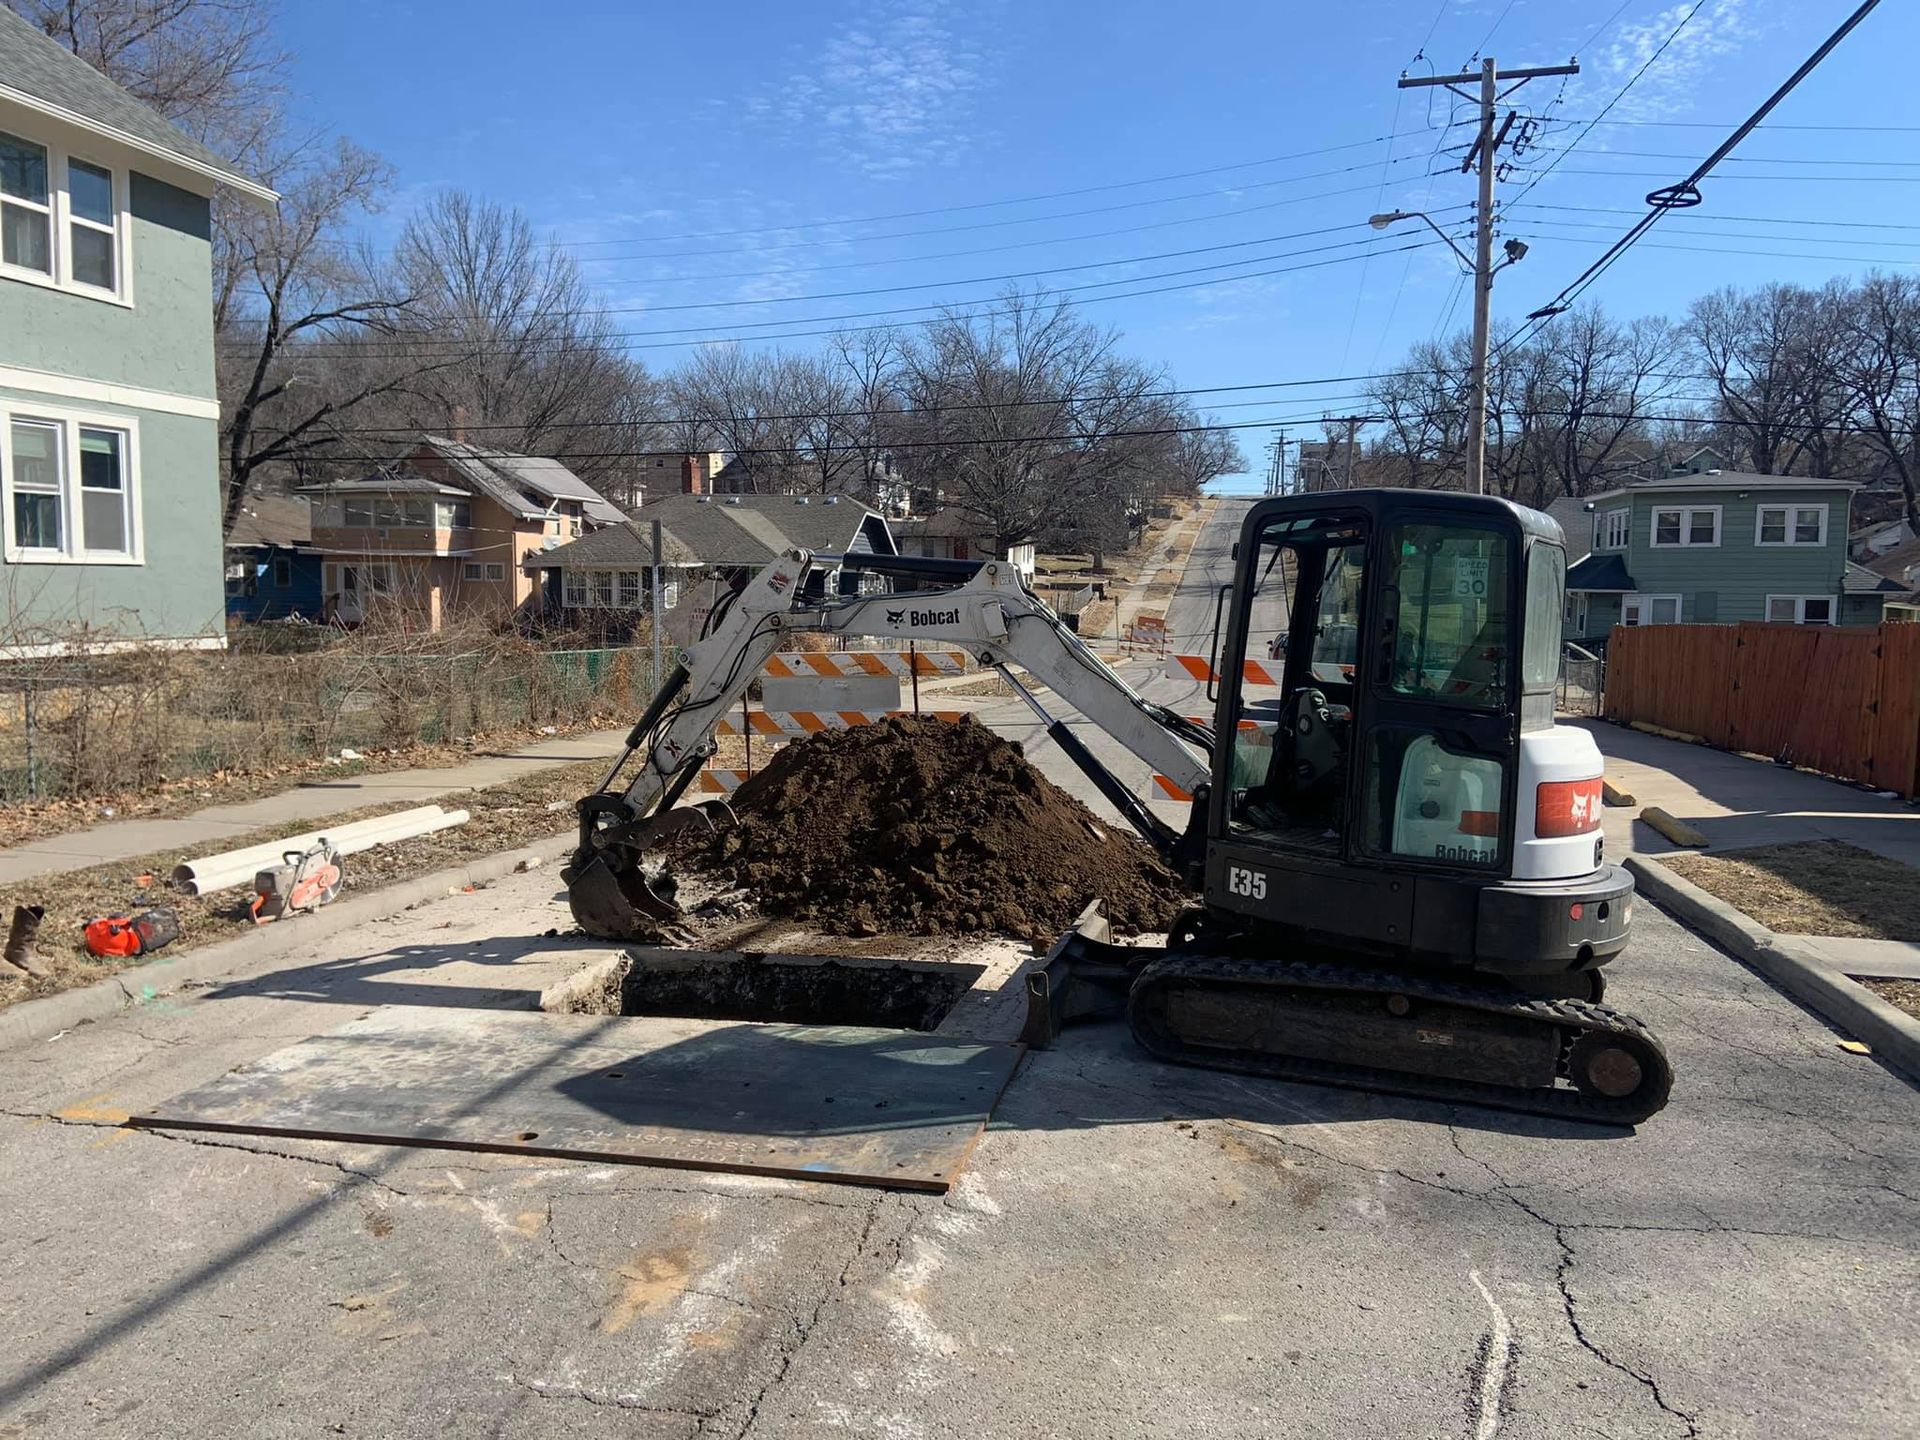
{"x": 1396, "y": 854}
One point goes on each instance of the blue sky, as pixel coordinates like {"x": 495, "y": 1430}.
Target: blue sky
{"x": 689, "y": 155}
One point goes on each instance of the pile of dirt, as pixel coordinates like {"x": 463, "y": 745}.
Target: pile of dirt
{"x": 930, "y": 827}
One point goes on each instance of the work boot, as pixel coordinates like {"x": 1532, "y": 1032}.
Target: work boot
{"x": 20, "y": 953}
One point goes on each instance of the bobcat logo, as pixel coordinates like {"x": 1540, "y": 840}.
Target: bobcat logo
{"x": 894, "y": 617}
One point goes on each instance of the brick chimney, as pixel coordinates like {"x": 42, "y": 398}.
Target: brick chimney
{"x": 694, "y": 476}
{"x": 460, "y": 424}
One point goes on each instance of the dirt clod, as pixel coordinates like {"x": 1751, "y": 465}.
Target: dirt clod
{"x": 929, "y": 827}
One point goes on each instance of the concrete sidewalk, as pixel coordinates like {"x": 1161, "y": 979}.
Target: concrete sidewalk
{"x": 123, "y": 839}
{"x": 1736, "y": 801}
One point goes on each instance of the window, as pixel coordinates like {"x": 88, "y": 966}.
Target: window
{"x": 26, "y": 206}
{"x": 70, "y": 494}
{"x": 90, "y": 224}
{"x": 454, "y": 515}
{"x": 603, "y": 588}
{"x": 1650, "y": 610}
{"x": 1686, "y": 526}
{"x": 1546, "y": 585}
{"x": 37, "y": 488}
{"x": 1790, "y": 525}
{"x": 60, "y": 219}
{"x": 574, "y": 589}
{"x": 494, "y": 570}
{"x": 1800, "y": 609}
{"x": 1452, "y": 634}
{"x": 1576, "y": 613}
{"x": 103, "y": 491}
{"x": 1611, "y": 529}
{"x": 282, "y": 573}
{"x": 628, "y": 585}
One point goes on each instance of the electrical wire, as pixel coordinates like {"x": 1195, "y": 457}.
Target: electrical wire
{"x": 462, "y": 350}
{"x": 1632, "y": 80}
{"x": 1687, "y": 192}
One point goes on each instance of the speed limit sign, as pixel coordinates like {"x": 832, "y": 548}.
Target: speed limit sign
{"x": 1470, "y": 577}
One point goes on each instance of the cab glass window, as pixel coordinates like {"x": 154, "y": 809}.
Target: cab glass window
{"x": 1546, "y": 587}
{"x": 1452, "y": 636}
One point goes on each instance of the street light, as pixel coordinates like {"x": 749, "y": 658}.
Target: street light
{"x": 1483, "y": 272}
{"x": 1381, "y": 222}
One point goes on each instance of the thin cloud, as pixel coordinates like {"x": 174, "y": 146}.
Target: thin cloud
{"x": 1671, "y": 85}
{"x": 891, "y": 92}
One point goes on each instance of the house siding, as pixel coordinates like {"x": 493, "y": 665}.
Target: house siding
{"x": 53, "y": 342}
{"x": 164, "y": 340}
{"x": 1731, "y": 581}
{"x": 270, "y": 600}
{"x": 178, "y": 592}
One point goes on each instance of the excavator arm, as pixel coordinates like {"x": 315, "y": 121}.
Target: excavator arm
{"x": 990, "y": 613}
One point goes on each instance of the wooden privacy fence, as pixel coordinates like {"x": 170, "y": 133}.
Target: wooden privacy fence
{"x": 1843, "y": 701}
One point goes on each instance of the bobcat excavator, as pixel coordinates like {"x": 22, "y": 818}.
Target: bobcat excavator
{"x": 1396, "y": 854}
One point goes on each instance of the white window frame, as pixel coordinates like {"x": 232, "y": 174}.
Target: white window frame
{"x": 1577, "y": 613}
{"x": 1686, "y": 540}
{"x": 1642, "y": 604}
{"x": 62, "y": 218}
{"x": 1800, "y": 610}
{"x": 70, "y": 424}
{"x": 576, "y": 589}
{"x": 1604, "y": 529}
{"x": 472, "y": 570}
{"x": 1792, "y": 511}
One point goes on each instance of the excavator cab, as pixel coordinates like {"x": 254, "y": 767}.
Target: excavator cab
{"x": 1394, "y": 781}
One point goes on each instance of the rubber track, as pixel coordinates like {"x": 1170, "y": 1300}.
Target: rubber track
{"x": 1571, "y": 1017}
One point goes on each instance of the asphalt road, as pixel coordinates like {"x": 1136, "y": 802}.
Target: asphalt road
{"x": 1135, "y": 1250}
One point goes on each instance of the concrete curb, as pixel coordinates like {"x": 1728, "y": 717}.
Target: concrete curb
{"x": 1892, "y": 1033}
{"x": 37, "y": 1019}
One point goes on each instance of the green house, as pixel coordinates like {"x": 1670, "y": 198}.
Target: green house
{"x": 1717, "y": 547}
{"x": 109, "y": 425}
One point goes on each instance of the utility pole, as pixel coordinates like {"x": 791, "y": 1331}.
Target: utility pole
{"x": 1353, "y": 432}
{"x": 1486, "y": 146}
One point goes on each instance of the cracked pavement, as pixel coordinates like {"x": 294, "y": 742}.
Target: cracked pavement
{"x": 1136, "y": 1249}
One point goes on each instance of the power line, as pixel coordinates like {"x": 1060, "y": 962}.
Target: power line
{"x": 1687, "y": 192}
{"x": 967, "y": 280}
{"x": 986, "y": 224}
{"x": 432, "y": 344}
{"x": 1632, "y": 80}
{"x": 1742, "y": 234}
{"x": 1721, "y": 219}
{"x": 1089, "y": 436}
{"x": 1111, "y": 185}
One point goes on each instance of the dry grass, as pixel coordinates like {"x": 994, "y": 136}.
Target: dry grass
{"x": 503, "y": 817}
{"x": 26, "y": 820}
{"x": 1901, "y": 994}
{"x": 1816, "y": 887}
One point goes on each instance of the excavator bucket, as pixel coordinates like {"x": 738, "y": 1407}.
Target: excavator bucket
{"x": 613, "y": 893}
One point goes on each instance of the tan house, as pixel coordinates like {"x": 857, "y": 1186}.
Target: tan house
{"x": 446, "y": 532}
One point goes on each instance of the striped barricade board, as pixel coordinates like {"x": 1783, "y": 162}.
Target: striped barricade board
{"x": 784, "y": 723}
{"x": 1199, "y": 669}
{"x": 807, "y": 664}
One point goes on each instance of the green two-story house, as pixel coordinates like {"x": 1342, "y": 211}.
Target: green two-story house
{"x": 1717, "y": 547}
{"x": 110, "y": 516}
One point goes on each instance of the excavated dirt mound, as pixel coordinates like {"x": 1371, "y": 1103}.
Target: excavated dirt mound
{"x": 930, "y": 827}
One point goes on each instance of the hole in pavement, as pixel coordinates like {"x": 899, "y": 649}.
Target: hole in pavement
{"x": 810, "y": 991}
{"x": 526, "y": 1135}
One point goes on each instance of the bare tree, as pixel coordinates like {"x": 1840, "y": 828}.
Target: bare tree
{"x": 289, "y": 305}
{"x": 209, "y": 66}
{"x": 1883, "y": 375}
{"x": 505, "y": 335}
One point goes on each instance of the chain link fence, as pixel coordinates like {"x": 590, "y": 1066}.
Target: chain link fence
{"x": 91, "y": 724}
